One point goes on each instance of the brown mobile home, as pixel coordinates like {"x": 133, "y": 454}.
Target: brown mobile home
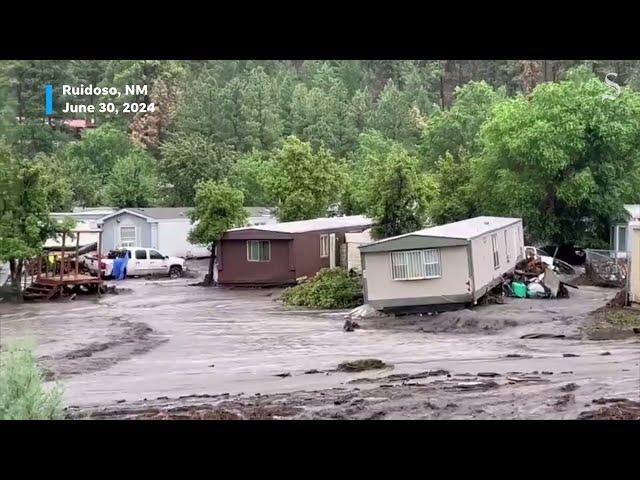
{"x": 280, "y": 253}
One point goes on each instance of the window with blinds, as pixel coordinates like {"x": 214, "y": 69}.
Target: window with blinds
{"x": 258, "y": 251}
{"x": 416, "y": 264}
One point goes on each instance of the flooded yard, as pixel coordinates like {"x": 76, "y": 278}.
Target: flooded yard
{"x": 165, "y": 338}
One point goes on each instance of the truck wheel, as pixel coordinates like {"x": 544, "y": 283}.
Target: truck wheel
{"x": 175, "y": 272}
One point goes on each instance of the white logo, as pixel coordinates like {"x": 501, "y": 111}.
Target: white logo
{"x": 613, "y": 85}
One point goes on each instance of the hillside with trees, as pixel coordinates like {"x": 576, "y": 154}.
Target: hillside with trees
{"x": 406, "y": 142}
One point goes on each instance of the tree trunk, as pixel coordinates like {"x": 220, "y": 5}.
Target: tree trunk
{"x": 212, "y": 260}
{"x": 15, "y": 270}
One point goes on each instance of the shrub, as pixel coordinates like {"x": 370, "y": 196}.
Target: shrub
{"x": 329, "y": 288}
{"x": 22, "y": 393}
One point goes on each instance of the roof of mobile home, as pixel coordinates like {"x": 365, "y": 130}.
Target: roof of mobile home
{"x": 448, "y": 235}
{"x": 312, "y": 225}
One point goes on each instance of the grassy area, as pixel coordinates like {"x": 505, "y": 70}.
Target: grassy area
{"x": 611, "y": 323}
{"x": 623, "y": 317}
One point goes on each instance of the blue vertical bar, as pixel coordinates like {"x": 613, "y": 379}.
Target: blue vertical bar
{"x": 48, "y": 104}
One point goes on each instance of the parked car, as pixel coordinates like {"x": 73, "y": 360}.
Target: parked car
{"x": 142, "y": 261}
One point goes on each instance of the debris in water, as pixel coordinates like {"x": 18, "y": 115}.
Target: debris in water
{"x": 569, "y": 387}
{"x": 542, "y": 335}
{"x": 282, "y": 375}
{"x": 312, "y": 371}
{"x": 362, "y": 365}
{"x": 605, "y": 353}
{"x": 488, "y": 374}
{"x": 622, "y": 410}
{"x": 570, "y": 355}
{"x": 350, "y": 325}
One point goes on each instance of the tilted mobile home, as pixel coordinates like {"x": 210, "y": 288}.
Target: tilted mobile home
{"x": 449, "y": 264}
{"x": 280, "y": 253}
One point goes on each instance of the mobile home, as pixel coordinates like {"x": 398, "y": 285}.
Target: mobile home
{"x": 452, "y": 264}
{"x": 280, "y": 253}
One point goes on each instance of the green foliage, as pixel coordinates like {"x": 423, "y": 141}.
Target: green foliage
{"x": 89, "y": 162}
{"x": 456, "y": 130}
{"x": 188, "y": 158}
{"x": 452, "y": 196}
{"x": 132, "y": 182}
{"x": 393, "y": 116}
{"x": 24, "y": 207}
{"x": 397, "y": 195}
{"x": 22, "y": 393}
{"x": 563, "y": 158}
{"x": 328, "y": 289}
{"x": 247, "y": 174}
{"x": 218, "y": 207}
{"x": 301, "y": 183}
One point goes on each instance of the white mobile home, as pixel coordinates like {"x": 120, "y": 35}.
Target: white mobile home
{"x": 634, "y": 268}
{"x": 456, "y": 263}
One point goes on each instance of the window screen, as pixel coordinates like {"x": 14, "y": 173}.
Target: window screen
{"x": 127, "y": 236}
{"x": 416, "y": 264}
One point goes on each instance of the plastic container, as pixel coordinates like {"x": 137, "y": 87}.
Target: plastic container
{"x": 519, "y": 289}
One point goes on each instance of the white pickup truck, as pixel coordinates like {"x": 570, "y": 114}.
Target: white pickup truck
{"x": 142, "y": 261}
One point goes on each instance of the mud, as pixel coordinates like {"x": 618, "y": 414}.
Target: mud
{"x": 131, "y": 339}
{"x": 437, "y": 399}
{"x": 163, "y": 337}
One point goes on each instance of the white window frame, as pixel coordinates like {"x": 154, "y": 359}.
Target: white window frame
{"x": 324, "y": 246}
{"x": 260, "y": 243}
{"x": 496, "y": 252}
{"x": 422, "y": 264}
{"x": 128, "y": 243}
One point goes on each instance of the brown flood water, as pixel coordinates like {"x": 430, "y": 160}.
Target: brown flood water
{"x": 165, "y": 338}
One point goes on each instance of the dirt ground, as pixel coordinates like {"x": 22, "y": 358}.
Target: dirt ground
{"x": 165, "y": 349}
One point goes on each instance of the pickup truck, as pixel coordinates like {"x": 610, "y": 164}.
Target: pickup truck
{"x": 142, "y": 261}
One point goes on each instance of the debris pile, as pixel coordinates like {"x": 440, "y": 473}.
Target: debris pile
{"x": 606, "y": 268}
{"x": 534, "y": 278}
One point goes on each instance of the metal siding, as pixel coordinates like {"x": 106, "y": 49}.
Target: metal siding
{"x": 452, "y": 283}
{"x": 110, "y": 236}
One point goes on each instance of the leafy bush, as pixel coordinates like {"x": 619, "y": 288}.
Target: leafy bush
{"x": 22, "y": 394}
{"x": 329, "y": 288}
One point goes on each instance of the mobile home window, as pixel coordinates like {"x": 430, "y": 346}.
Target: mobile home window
{"x": 622, "y": 239}
{"x": 259, "y": 250}
{"x": 416, "y": 264}
{"x": 507, "y": 246}
{"x": 127, "y": 236}
{"x": 324, "y": 246}
{"x": 494, "y": 246}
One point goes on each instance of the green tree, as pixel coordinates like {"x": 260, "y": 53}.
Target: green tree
{"x": 90, "y": 161}
{"x": 456, "y": 129}
{"x": 188, "y": 158}
{"x": 24, "y": 211}
{"x": 302, "y": 184}
{"x": 248, "y": 174}
{"x": 218, "y": 207}
{"x": 132, "y": 182}
{"x": 397, "y": 196}
{"x": 261, "y": 109}
{"x": 393, "y": 116}
{"x": 563, "y": 158}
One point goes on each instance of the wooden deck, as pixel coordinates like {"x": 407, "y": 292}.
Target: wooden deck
{"x": 69, "y": 279}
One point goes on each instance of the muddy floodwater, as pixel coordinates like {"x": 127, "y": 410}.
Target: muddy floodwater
{"x": 165, "y": 338}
